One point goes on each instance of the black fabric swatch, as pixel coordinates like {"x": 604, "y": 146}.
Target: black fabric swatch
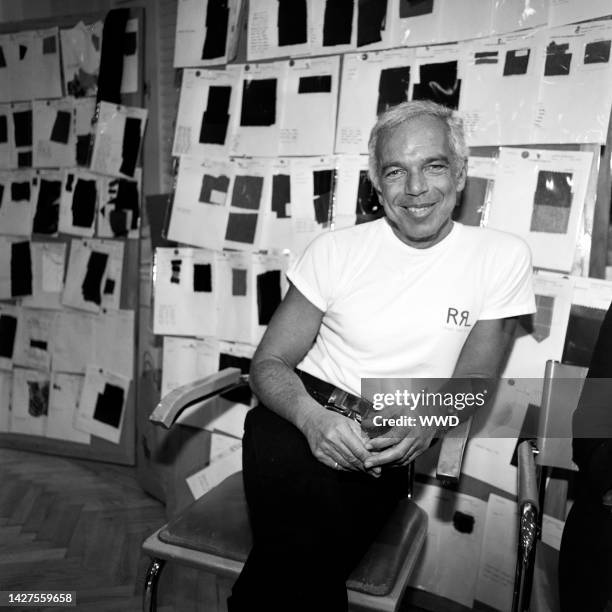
{"x": 84, "y": 203}
{"x": 292, "y": 22}
{"x": 130, "y": 43}
{"x": 516, "y": 62}
{"x": 268, "y": 295}
{"x": 92, "y": 282}
{"x": 38, "y": 344}
{"x": 281, "y": 195}
{"x": 241, "y": 227}
{"x": 338, "y": 22}
{"x": 38, "y": 400}
{"x": 23, "y": 50}
{"x": 315, "y": 84}
{"x": 558, "y": 60}
{"x": 111, "y": 56}
{"x": 597, "y": 52}
{"x": 126, "y": 198}
{"x": 368, "y": 205}
{"x": 242, "y": 395}
{"x": 61, "y": 127}
{"x": 258, "y": 102}
{"x": 323, "y": 189}
{"x": 175, "y": 265}
{"x": 24, "y": 159}
{"x": 49, "y": 45}
{"x": 8, "y": 331}
{"x": 83, "y": 145}
{"x": 439, "y": 83}
{"x": 239, "y": 282}
{"x": 3, "y": 128}
{"x": 131, "y": 146}
{"x": 370, "y": 21}
{"x": 2, "y": 58}
{"x": 210, "y": 184}
{"x": 46, "y": 218}
{"x": 118, "y": 221}
{"x": 217, "y": 18}
{"x": 21, "y": 269}
{"x": 20, "y": 191}
{"x": 486, "y": 57}
{"x": 216, "y": 117}
{"x": 393, "y": 87}
{"x": 202, "y": 278}
{"x": 247, "y": 192}
{"x": 415, "y": 8}
{"x": 1, "y": 193}
{"x": 109, "y": 287}
{"x": 22, "y": 122}
{"x": 109, "y": 405}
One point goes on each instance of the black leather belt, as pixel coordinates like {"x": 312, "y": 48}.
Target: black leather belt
{"x": 335, "y": 399}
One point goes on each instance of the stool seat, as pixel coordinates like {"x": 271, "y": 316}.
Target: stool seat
{"x": 217, "y": 524}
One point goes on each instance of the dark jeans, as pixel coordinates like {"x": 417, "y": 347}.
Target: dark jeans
{"x": 311, "y": 524}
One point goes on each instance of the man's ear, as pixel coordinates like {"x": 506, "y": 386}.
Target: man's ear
{"x": 461, "y": 176}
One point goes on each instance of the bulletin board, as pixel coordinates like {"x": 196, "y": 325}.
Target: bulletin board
{"x": 117, "y": 444}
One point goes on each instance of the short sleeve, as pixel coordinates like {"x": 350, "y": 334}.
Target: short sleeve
{"x": 313, "y": 272}
{"x": 509, "y": 279}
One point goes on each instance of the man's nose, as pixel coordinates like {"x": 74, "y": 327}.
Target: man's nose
{"x": 416, "y": 184}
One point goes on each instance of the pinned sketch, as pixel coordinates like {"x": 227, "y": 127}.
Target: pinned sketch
{"x": 15, "y": 268}
{"x": 48, "y": 267}
{"x": 79, "y": 203}
{"x": 371, "y": 83}
{"x": 207, "y": 112}
{"x": 101, "y": 406}
{"x": 278, "y": 229}
{"x": 475, "y": 199}
{"x": 84, "y": 110}
{"x": 500, "y": 89}
{"x": 6, "y": 384}
{"x": 118, "y": 136}
{"x": 312, "y": 190}
{"x": 309, "y": 117}
{"x": 278, "y": 28}
{"x": 8, "y": 155}
{"x": 30, "y": 402}
{"x": 34, "y": 339}
{"x": 7, "y": 58}
{"x": 93, "y": 278}
{"x": 261, "y": 100}
{"x": 81, "y": 46}
{"x": 21, "y": 124}
{"x": 54, "y": 141}
{"x": 186, "y": 360}
{"x": 496, "y": 573}
{"x": 119, "y": 207}
{"x": 333, "y": 26}
{"x": 200, "y": 208}
{"x": 16, "y": 204}
{"x": 455, "y": 529}
{"x": 577, "y": 74}
{"x": 356, "y": 199}
{"x": 47, "y": 195}
{"x": 63, "y": 402}
{"x": 184, "y": 292}
{"x": 270, "y": 286}
{"x": 539, "y": 195}
{"x": 414, "y": 22}
{"x": 9, "y": 325}
{"x": 206, "y": 32}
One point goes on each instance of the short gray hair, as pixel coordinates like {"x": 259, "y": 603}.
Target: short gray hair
{"x": 405, "y": 111}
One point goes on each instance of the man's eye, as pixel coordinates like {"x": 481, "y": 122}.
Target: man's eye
{"x": 392, "y": 173}
{"x": 436, "y": 168}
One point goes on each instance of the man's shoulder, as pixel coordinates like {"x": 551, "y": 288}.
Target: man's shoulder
{"x": 492, "y": 240}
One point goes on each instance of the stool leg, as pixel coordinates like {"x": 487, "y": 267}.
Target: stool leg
{"x": 149, "y": 600}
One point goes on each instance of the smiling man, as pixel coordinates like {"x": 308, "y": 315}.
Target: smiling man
{"x": 411, "y": 295}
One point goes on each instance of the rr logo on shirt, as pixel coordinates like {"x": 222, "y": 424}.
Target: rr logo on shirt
{"x": 457, "y": 317}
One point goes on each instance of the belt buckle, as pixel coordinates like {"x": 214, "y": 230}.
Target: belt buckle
{"x": 337, "y": 403}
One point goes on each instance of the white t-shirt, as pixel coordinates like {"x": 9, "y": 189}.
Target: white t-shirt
{"x": 394, "y": 311}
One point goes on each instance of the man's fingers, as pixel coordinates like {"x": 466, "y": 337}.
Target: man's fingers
{"x": 381, "y": 443}
{"x": 397, "y": 453}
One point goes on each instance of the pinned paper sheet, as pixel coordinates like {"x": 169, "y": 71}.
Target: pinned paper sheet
{"x": 93, "y": 278}
{"x": 571, "y": 11}
{"x": 207, "y": 112}
{"x": 200, "y": 208}
{"x": 8, "y": 155}
{"x": 118, "y": 137}
{"x": 449, "y": 563}
{"x": 63, "y": 402}
{"x": 496, "y": 573}
{"x": 6, "y": 384}
{"x": 512, "y": 16}
{"x": 464, "y": 20}
{"x": 185, "y": 289}
{"x": 500, "y": 89}
{"x": 119, "y": 207}
{"x": 21, "y": 124}
{"x": 48, "y": 267}
{"x": 81, "y": 46}
{"x": 79, "y": 203}
{"x": 84, "y": 110}
{"x": 186, "y": 360}
{"x": 223, "y": 466}
{"x": 261, "y": 100}
{"x": 414, "y": 23}
{"x": 16, "y": 204}
{"x": 371, "y": 83}
{"x": 475, "y": 198}
{"x": 577, "y": 74}
{"x": 277, "y": 227}
{"x": 131, "y": 44}
{"x": 270, "y": 285}
{"x": 7, "y": 57}
{"x": 309, "y": 116}
{"x": 47, "y": 195}
{"x": 9, "y": 327}
{"x": 206, "y": 32}
{"x": 34, "y": 340}
{"x": 539, "y": 195}
{"x": 30, "y": 402}
{"x": 15, "y": 268}
{"x": 54, "y": 139}
{"x": 101, "y": 406}
{"x": 312, "y": 191}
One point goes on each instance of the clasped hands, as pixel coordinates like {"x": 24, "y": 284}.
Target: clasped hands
{"x": 340, "y": 443}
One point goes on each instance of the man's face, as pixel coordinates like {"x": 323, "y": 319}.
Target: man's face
{"x": 417, "y": 186}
